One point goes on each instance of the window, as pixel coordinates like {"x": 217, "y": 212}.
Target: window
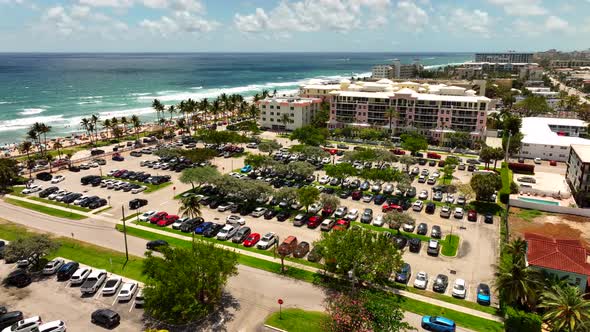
{"x": 263, "y": 113}
{"x": 272, "y": 120}
{"x": 278, "y": 107}
{"x": 292, "y": 115}
{"x": 263, "y": 106}
{"x": 292, "y": 108}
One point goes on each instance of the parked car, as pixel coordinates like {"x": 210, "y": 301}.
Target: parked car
{"x": 342, "y": 224}
{"x": 458, "y": 214}
{"x": 433, "y": 247}
{"x": 367, "y": 216}
{"x": 258, "y": 212}
{"x": 66, "y": 271}
{"x": 378, "y": 221}
{"x": 241, "y": 235}
{"x": 53, "y": 326}
{"x": 415, "y": 245}
{"x": 127, "y": 291}
{"x": 105, "y": 317}
{"x": 58, "y": 179}
{"x": 267, "y": 241}
{"x": 438, "y": 324}
{"x": 483, "y": 294}
{"x": 436, "y": 232}
{"x": 235, "y": 220}
{"x": 213, "y": 230}
{"x": 252, "y": 240}
{"x": 314, "y": 221}
{"x": 93, "y": 282}
{"x": 301, "y": 250}
{"x": 146, "y": 215}
{"x": 112, "y": 285}
{"x": 422, "y": 229}
{"x": 472, "y": 215}
{"x": 440, "y": 284}
{"x": 421, "y": 281}
{"x": 227, "y": 232}
{"x": 352, "y": 215}
{"x": 80, "y": 275}
{"x": 341, "y": 212}
{"x": 417, "y": 206}
{"x": 488, "y": 218}
{"x": 445, "y": 212}
{"x": 300, "y": 220}
{"x": 404, "y": 274}
{"x": 283, "y": 215}
{"x": 53, "y": 266}
{"x": 155, "y": 244}
{"x": 137, "y": 203}
{"x": 19, "y": 278}
{"x": 459, "y": 289}
{"x": 430, "y": 208}
{"x": 26, "y": 325}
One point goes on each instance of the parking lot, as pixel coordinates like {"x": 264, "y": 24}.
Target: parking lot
{"x": 474, "y": 261}
{"x": 53, "y": 300}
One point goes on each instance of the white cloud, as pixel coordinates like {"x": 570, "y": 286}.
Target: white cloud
{"x": 410, "y": 16}
{"x": 476, "y": 21}
{"x": 177, "y": 5}
{"x": 181, "y": 21}
{"x": 107, "y": 3}
{"x": 314, "y": 15}
{"x": 521, "y": 7}
{"x": 554, "y": 23}
{"x": 76, "y": 18}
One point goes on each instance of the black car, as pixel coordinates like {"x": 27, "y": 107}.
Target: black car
{"x": 213, "y": 230}
{"x": 66, "y": 271}
{"x": 315, "y": 255}
{"x": 430, "y": 208}
{"x": 422, "y": 229}
{"x": 137, "y": 203}
{"x": 19, "y": 278}
{"x": 85, "y": 203}
{"x": 97, "y": 203}
{"x": 422, "y": 161}
{"x": 241, "y": 234}
{"x": 379, "y": 199}
{"x": 415, "y": 245}
{"x": 488, "y": 219}
{"x": 190, "y": 225}
{"x": 436, "y": 232}
{"x": 400, "y": 241}
{"x": 95, "y": 182}
{"x": 9, "y": 318}
{"x": 344, "y": 194}
{"x": 74, "y": 169}
{"x": 155, "y": 244}
{"x": 105, "y": 317}
{"x": 47, "y": 191}
{"x": 71, "y": 197}
{"x": 440, "y": 283}
{"x": 329, "y": 190}
{"x": 269, "y": 214}
{"x": 411, "y": 192}
{"x": 44, "y": 176}
{"x": 96, "y": 152}
{"x": 432, "y": 163}
{"x": 215, "y": 203}
{"x": 283, "y": 215}
{"x": 86, "y": 179}
{"x": 404, "y": 274}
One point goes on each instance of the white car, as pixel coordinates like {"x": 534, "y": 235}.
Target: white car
{"x": 32, "y": 189}
{"x": 52, "y": 266}
{"x": 324, "y": 179}
{"x": 58, "y": 179}
{"x": 417, "y": 206}
{"x": 138, "y": 190}
{"x": 179, "y": 222}
{"x": 112, "y": 172}
{"x": 127, "y": 291}
{"x": 450, "y": 198}
{"x": 25, "y": 325}
{"x": 235, "y": 219}
{"x": 60, "y": 197}
{"x": 436, "y": 174}
{"x": 79, "y": 200}
{"x": 227, "y": 232}
{"x": 258, "y": 212}
{"x": 458, "y": 213}
{"x": 146, "y": 215}
{"x": 423, "y": 194}
{"x": 55, "y": 194}
{"x": 139, "y": 298}
{"x": 55, "y": 326}
{"x": 111, "y": 286}
{"x": 459, "y": 289}
{"x": 267, "y": 241}
{"x": 315, "y": 208}
{"x": 105, "y": 183}
{"x": 225, "y": 206}
{"x": 421, "y": 280}
{"x": 537, "y": 161}
{"x": 378, "y": 221}
{"x": 352, "y": 215}
{"x": 409, "y": 227}
{"x": 80, "y": 275}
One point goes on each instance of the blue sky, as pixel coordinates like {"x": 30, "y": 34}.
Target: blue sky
{"x": 293, "y": 25}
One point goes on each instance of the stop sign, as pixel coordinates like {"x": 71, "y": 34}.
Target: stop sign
{"x": 280, "y": 301}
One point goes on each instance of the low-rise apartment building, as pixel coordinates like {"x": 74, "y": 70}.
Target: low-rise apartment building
{"x": 578, "y": 174}
{"x": 575, "y": 63}
{"x": 551, "y": 138}
{"x": 396, "y": 70}
{"x": 287, "y": 113}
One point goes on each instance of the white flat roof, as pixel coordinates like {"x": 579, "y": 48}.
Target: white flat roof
{"x": 583, "y": 151}
{"x": 537, "y": 131}
{"x": 419, "y": 96}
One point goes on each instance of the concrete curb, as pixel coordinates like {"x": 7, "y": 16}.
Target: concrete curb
{"x": 270, "y": 327}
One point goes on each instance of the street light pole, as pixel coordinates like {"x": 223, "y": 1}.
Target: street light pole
{"x": 125, "y": 234}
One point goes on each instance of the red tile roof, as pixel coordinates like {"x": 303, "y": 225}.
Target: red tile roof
{"x": 568, "y": 255}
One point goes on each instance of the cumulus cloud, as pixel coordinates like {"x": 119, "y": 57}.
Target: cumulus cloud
{"x": 554, "y": 23}
{"x": 177, "y": 5}
{"x": 521, "y": 7}
{"x": 475, "y": 21}
{"x": 313, "y": 15}
{"x": 181, "y": 21}
{"x": 76, "y": 18}
{"x": 411, "y": 16}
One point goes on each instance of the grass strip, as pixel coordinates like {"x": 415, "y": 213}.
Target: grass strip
{"x": 45, "y": 209}
{"x": 69, "y": 206}
{"x": 131, "y": 216}
{"x": 17, "y": 191}
{"x": 297, "y": 320}
{"x": 83, "y": 252}
{"x": 450, "y": 299}
{"x": 106, "y": 208}
{"x": 450, "y": 245}
{"x": 233, "y": 245}
{"x": 242, "y": 259}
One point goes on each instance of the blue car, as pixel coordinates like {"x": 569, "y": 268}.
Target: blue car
{"x": 438, "y": 324}
{"x": 483, "y": 294}
{"x": 246, "y": 169}
{"x": 203, "y": 227}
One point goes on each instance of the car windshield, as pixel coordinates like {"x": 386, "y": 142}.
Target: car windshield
{"x": 459, "y": 287}
{"x": 111, "y": 283}
{"x": 484, "y": 291}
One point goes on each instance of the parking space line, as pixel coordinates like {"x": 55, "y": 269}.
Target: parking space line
{"x": 132, "y": 305}
{"x": 114, "y": 301}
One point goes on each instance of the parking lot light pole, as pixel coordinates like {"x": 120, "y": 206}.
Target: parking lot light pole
{"x": 125, "y": 234}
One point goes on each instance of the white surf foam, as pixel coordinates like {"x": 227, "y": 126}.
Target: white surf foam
{"x": 31, "y": 111}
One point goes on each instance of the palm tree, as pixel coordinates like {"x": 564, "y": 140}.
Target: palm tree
{"x": 33, "y": 136}
{"x": 256, "y": 98}
{"x": 106, "y": 124}
{"x": 136, "y": 123}
{"x": 285, "y": 119}
{"x": 25, "y": 148}
{"x": 124, "y": 122}
{"x": 58, "y": 146}
{"x": 50, "y": 159}
{"x": 171, "y": 110}
{"x": 517, "y": 283}
{"x": 44, "y": 129}
{"x": 391, "y": 114}
{"x": 215, "y": 109}
{"x": 253, "y": 111}
{"x": 158, "y": 107}
{"x": 85, "y": 123}
{"x": 517, "y": 248}
{"x": 565, "y": 308}
{"x": 94, "y": 120}
{"x": 204, "y": 107}
{"x": 265, "y": 94}
{"x": 190, "y": 206}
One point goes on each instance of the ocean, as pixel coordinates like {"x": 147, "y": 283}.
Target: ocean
{"x": 60, "y": 89}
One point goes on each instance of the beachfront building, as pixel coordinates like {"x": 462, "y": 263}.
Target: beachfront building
{"x": 575, "y": 63}
{"x": 382, "y": 71}
{"x": 284, "y": 113}
{"x": 507, "y": 57}
{"x": 433, "y": 110}
{"x": 551, "y": 138}
{"x": 578, "y": 174}
{"x": 396, "y": 70}
{"x": 480, "y": 68}
{"x": 561, "y": 258}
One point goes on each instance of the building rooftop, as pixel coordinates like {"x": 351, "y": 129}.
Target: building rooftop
{"x": 583, "y": 151}
{"x": 567, "y": 255}
{"x": 537, "y": 131}
{"x": 291, "y": 100}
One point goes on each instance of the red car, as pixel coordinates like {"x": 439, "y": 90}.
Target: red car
{"x": 327, "y": 211}
{"x": 472, "y": 215}
{"x": 341, "y": 224}
{"x": 168, "y": 220}
{"x": 119, "y": 172}
{"x": 314, "y": 221}
{"x": 398, "y": 152}
{"x": 553, "y": 163}
{"x": 251, "y": 240}
{"x": 433, "y": 155}
{"x": 391, "y": 207}
{"x": 356, "y": 195}
{"x": 157, "y": 217}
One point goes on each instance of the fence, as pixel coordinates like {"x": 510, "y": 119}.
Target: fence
{"x": 544, "y": 193}
{"x": 550, "y": 208}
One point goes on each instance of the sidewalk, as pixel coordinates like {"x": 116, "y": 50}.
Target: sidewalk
{"x": 407, "y": 294}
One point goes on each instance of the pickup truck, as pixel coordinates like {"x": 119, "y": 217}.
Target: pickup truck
{"x": 93, "y": 282}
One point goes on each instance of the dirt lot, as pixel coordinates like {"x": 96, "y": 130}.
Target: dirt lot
{"x": 53, "y": 300}
{"x": 561, "y": 226}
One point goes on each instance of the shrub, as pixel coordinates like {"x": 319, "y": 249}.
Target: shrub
{"x": 520, "y": 321}
{"x": 521, "y": 168}
{"x": 504, "y": 197}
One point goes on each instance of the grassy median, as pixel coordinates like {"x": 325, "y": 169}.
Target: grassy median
{"x": 45, "y": 209}
{"x": 450, "y": 245}
{"x": 297, "y": 320}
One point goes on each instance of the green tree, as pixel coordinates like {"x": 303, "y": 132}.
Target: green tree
{"x": 198, "y": 175}
{"x": 391, "y": 114}
{"x": 414, "y": 142}
{"x": 460, "y": 139}
{"x": 329, "y": 201}
{"x": 322, "y": 116}
{"x": 565, "y": 308}
{"x": 8, "y": 173}
{"x": 373, "y": 259}
{"x": 307, "y": 195}
{"x": 258, "y": 160}
{"x": 404, "y": 182}
{"x": 407, "y": 161}
{"x": 515, "y": 143}
{"x": 310, "y": 135}
{"x": 484, "y": 185}
{"x": 466, "y": 190}
{"x": 517, "y": 249}
{"x": 286, "y": 194}
{"x": 183, "y": 285}
{"x": 313, "y": 152}
{"x": 395, "y": 219}
{"x": 340, "y": 171}
{"x": 533, "y": 105}
{"x": 221, "y": 137}
{"x": 517, "y": 284}
{"x": 158, "y": 107}
{"x": 32, "y": 247}
{"x": 269, "y": 146}
{"x": 190, "y": 206}
{"x": 301, "y": 168}
{"x": 512, "y": 124}
{"x": 448, "y": 171}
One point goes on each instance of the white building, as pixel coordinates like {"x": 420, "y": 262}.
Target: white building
{"x": 578, "y": 174}
{"x": 551, "y": 138}
{"x": 299, "y": 112}
{"x": 382, "y": 71}
{"x": 507, "y": 57}
{"x": 552, "y": 97}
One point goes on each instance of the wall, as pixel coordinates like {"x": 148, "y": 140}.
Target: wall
{"x": 571, "y": 277}
{"x": 544, "y": 151}
{"x": 549, "y": 208}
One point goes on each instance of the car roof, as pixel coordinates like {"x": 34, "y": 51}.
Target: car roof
{"x": 444, "y": 320}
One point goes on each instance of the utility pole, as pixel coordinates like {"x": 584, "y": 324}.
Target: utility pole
{"x": 125, "y": 234}
{"x": 507, "y": 146}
